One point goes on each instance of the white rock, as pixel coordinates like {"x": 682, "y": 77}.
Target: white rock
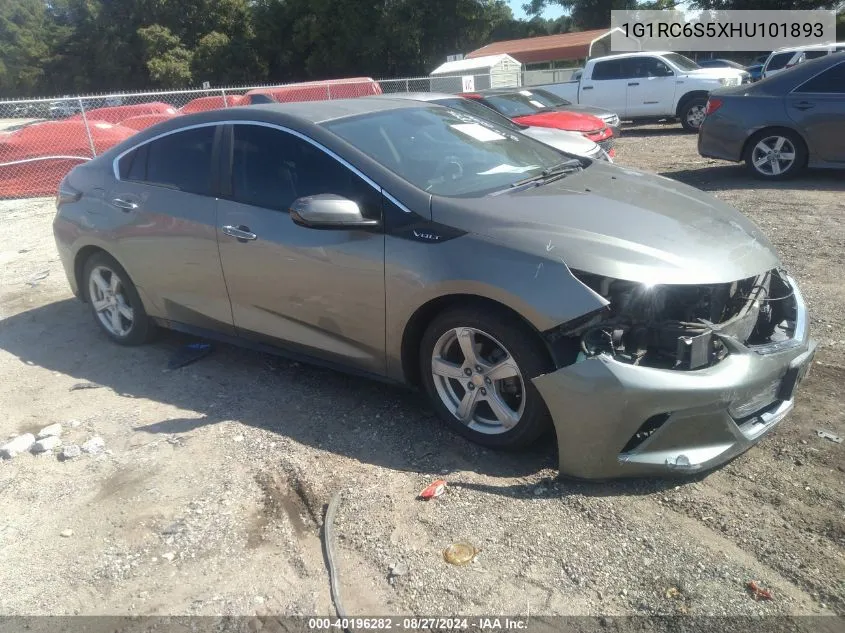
{"x": 238, "y": 438}
{"x": 54, "y": 430}
{"x": 169, "y": 556}
{"x": 21, "y": 444}
{"x": 94, "y": 446}
{"x": 47, "y": 444}
{"x": 66, "y": 533}
{"x": 74, "y": 424}
{"x": 70, "y": 451}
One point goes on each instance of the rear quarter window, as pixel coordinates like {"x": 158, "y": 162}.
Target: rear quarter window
{"x": 779, "y": 61}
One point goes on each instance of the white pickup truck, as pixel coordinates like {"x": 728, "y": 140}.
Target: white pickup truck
{"x": 648, "y": 86}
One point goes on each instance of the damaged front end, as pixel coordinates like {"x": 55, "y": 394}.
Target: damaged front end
{"x": 674, "y": 377}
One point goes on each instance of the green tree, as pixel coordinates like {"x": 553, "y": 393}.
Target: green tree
{"x": 168, "y": 62}
{"x": 25, "y": 44}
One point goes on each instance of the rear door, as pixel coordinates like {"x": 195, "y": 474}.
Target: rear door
{"x": 607, "y": 86}
{"x": 317, "y": 292}
{"x": 651, "y": 90}
{"x": 167, "y": 233}
{"x": 818, "y": 108}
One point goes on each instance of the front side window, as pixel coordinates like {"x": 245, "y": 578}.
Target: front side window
{"x": 652, "y": 67}
{"x": 446, "y": 152}
{"x": 831, "y": 81}
{"x": 272, "y": 168}
{"x": 815, "y": 54}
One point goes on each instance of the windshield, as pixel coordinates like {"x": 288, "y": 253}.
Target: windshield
{"x": 480, "y": 110}
{"x": 516, "y": 104}
{"x": 684, "y": 63}
{"x": 549, "y": 98}
{"x": 446, "y": 152}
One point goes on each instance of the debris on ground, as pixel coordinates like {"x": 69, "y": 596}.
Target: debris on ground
{"x": 673, "y": 592}
{"x": 94, "y": 446}
{"x": 397, "y": 569}
{"x": 460, "y": 553}
{"x": 85, "y": 385}
{"x": 66, "y": 533}
{"x": 757, "y": 592}
{"x": 188, "y": 354}
{"x": 434, "y": 489}
{"x": 17, "y": 445}
{"x": 169, "y": 556}
{"x": 70, "y": 451}
{"x": 827, "y": 435}
{"x": 33, "y": 281}
{"x": 46, "y": 444}
{"x": 50, "y": 431}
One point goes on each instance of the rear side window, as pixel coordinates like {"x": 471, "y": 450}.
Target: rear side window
{"x": 815, "y": 54}
{"x": 831, "y": 80}
{"x": 624, "y": 68}
{"x": 779, "y": 61}
{"x": 181, "y": 161}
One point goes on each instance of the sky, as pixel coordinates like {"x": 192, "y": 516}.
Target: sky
{"x": 551, "y": 12}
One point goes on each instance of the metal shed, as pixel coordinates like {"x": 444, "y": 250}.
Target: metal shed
{"x": 491, "y": 71}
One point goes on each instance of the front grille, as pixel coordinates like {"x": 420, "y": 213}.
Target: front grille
{"x": 606, "y": 144}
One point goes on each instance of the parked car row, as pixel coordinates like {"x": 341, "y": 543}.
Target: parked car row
{"x": 521, "y": 289}
{"x": 782, "y": 124}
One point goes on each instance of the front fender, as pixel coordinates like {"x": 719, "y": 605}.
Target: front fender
{"x": 540, "y": 289}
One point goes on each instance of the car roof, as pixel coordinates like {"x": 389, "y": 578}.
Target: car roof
{"x": 323, "y": 111}
{"x": 805, "y": 47}
{"x": 786, "y": 81}
{"x": 418, "y": 96}
{"x": 634, "y": 54}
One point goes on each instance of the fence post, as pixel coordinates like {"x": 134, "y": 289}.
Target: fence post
{"x": 87, "y": 129}
{"x": 225, "y": 101}
{"x": 407, "y": 86}
{"x": 328, "y": 91}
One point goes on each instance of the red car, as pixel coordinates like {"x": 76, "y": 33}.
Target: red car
{"x": 521, "y": 108}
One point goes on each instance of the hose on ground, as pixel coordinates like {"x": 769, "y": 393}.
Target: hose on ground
{"x": 328, "y": 544}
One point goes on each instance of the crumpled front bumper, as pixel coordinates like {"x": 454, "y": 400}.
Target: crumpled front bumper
{"x": 599, "y": 405}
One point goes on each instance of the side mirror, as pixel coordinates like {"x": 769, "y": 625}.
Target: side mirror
{"x": 329, "y": 211}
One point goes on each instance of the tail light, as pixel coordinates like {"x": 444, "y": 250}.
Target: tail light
{"x": 712, "y": 106}
{"x": 66, "y": 194}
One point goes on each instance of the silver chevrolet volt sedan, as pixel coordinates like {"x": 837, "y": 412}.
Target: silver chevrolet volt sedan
{"x": 522, "y": 288}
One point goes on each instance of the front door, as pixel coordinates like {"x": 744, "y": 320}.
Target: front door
{"x": 318, "y": 292}
{"x": 818, "y": 107}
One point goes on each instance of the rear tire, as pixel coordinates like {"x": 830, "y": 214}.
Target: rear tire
{"x": 775, "y": 154}
{"x": 692, "y": 113}
{"x": 502, "y": 409}
{"x": 115, "y": 302}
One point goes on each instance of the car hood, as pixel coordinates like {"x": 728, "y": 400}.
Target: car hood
{"x": 575, "y": 121}
{"x": 619, "y": 223}
{"x": 715, "y": 73}
{"x": 585, "y": 109}
{"x": 571, "y": 142}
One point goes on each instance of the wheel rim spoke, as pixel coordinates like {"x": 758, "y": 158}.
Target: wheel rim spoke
{"x": 466, "y": 409}
{"x": 446, "y": 369}
{"x": 502, "y": 411}
{"x": 125, "y": 310}
{"x": 114, "y": 316}
{"x": 466, "y": 339}
{"x": 761, "y": 161}
{"x": 504, "y": 369}
{"x": 779, "y": 143}
{"x": 775, "y": 167}
{"x": 102, "y": 284}
{"x": 101, "y": 305}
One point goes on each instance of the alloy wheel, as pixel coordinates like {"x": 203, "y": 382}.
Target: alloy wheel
{"x": 478, "y": 380}
{"x": 110, "y": 302}
{"x": 773, "y": 155}
{"x": 695, "y": 116}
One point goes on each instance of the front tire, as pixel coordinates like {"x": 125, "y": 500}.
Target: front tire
{"x": 477, "y": 365}
{"x": 775, "y": 154}
{"x": 115, "y": 302}
{"x": 692, "y": 113}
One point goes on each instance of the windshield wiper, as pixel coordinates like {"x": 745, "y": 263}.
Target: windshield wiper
{"x": 552, "y": 173}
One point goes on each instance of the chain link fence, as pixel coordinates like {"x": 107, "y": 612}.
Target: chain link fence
{"x": 41, "y": 140}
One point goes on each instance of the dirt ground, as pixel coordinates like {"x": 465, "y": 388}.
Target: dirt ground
{"x": 209, "y": 498}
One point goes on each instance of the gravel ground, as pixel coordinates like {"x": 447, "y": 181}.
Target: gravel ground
{"x": 209, "y": 496}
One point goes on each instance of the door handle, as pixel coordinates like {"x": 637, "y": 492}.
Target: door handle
{"x": 803, "y": 105}
{"x": 241, "y": 233}
{"x": 586, "y": 87}
{"x": 125, "y": 205}
{"x": 633, "y": 83}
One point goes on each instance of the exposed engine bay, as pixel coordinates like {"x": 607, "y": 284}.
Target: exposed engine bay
{"x": 683, "y": 327}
